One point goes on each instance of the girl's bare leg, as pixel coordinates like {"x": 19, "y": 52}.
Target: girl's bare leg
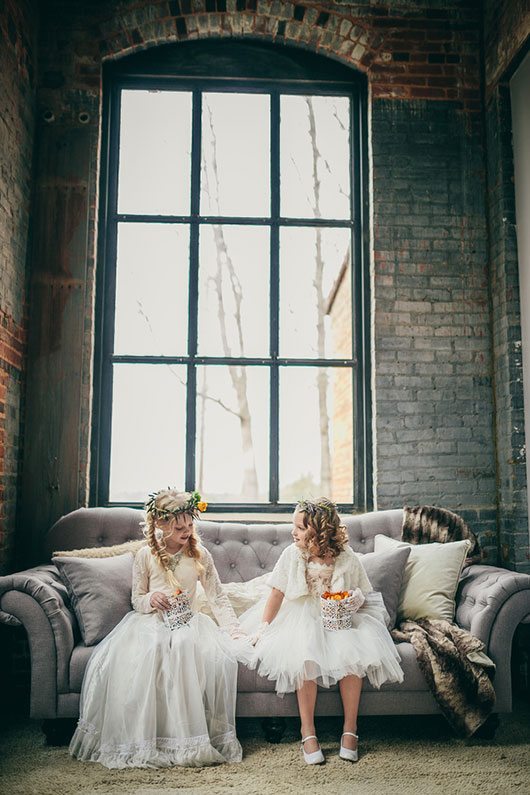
{"x": 350, "y": 693}
{"x": 307, "y": 697}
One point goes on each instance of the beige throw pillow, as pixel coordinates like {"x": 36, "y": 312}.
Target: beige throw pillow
{"x": 431, "y": 577}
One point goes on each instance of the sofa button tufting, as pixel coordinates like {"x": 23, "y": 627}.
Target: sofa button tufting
{"x": 262, "y": 565}
{"x": 217, "y": 540}
{"x": 100, "y": 539}
{"x": 232, "y": 565}
{"x": 274, "y": 543}
{"x": 245, "y": 540}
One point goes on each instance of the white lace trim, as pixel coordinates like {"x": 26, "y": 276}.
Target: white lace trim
{"x": 86, "y": 726}
{"x": 318, "y": 577}
{"x": 167, "y": 744}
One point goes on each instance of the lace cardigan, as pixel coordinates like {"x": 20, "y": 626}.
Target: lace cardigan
{"x": 148, "y": 576}
{"x": 289, "y": 573}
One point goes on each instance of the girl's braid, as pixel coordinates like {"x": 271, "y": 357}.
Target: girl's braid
{"x": 159, "y": 551}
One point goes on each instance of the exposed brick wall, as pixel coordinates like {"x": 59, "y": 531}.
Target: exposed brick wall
{"x": 433, "y": 397}
{"x": 17, "y": 45}
{"x": 506, "y": 27}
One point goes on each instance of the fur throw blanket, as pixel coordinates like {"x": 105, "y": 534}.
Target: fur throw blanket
{"x": 456, "y": 669}
{"x": 424, "y": 524}
{"x": 102, "y": 552}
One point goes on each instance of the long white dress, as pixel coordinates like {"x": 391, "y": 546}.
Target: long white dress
{"x": 295, "y": 647}
{"x": 156, "y": 697}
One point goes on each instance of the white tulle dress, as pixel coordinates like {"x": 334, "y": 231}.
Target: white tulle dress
{"x": 295, "y": 647}
{"x": 156, "y": 697}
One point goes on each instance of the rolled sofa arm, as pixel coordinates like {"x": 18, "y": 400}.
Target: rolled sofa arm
{"x": 491, "y": 603}
{"x": 37, "y": 599}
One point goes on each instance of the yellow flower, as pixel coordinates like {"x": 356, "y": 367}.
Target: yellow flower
{"x": 201, "y": 506}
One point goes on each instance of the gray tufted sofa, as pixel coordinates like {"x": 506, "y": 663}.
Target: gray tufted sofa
{"x": 491, "y": 602}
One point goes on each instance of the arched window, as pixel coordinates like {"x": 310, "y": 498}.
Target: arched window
{"x": 232, "y": 279}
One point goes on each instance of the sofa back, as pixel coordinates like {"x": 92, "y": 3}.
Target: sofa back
{"x": 240, "y": 551}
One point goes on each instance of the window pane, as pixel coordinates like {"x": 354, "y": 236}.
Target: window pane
{"x": 155, "y": 152}
{"x": 235, "y": 164}
{"x": 232, "y": 455}
{"x": 316, "y": 433}
{"x": 315, "y": 293}
{"x": 234, "y": 291}
{"x": 315, "y": 157}
{"x": 152, "y": 289}
{"x": 148, "y": 430}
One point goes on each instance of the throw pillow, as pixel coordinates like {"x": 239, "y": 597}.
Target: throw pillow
{"x": 385, "y": 571}
{"x": 431, "y": 577}
{"x": 100, "y": 592}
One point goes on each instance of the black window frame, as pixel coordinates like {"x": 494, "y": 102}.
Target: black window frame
{"x": 154, "y": 77}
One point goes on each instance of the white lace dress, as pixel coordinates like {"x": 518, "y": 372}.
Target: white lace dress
{"x": 155, "y": 697}
{"x": 296, "y": 647}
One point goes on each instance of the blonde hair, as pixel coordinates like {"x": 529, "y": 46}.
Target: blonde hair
{"x": 326, "y": 536}
{"x": 165, "y": 504}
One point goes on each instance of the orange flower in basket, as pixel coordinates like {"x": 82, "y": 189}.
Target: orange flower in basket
{"x": 177, "y": 592}
{"x": 336, "y": 596}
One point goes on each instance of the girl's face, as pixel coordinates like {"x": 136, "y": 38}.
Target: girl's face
{"x": 299, "y": 532}
{"x": 176, "y": 529}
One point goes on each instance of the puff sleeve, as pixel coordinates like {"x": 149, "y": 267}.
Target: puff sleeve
{"x": 279, "y": 576}
{"x": 289, "y": 573}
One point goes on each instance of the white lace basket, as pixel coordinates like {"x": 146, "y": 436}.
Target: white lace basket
{"x": 180, "y": 612}
{"x": 338, "y": 614}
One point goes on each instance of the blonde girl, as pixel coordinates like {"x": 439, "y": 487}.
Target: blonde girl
{"x": 156, "y": 696}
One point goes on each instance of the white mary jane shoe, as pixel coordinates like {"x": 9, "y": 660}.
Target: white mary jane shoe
{"x": 314, "y": 758}
{"x": 350, "y": 754}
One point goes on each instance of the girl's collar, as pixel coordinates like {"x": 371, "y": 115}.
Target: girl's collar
{"x": 340, "y": 561}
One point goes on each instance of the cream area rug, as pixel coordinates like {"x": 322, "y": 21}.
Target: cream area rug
{"x": 398, "y": 756}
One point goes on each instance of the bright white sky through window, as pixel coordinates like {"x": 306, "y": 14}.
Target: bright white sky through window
{"x": 148, "y": 416}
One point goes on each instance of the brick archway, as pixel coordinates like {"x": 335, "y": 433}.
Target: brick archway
{"x": 328, "y": 33}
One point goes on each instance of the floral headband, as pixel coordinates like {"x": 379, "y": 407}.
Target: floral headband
{"x": 193, "y": 505}
{"x": 312, "y": 506}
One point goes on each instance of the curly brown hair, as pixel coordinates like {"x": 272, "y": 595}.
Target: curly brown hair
{"x": 169, "y": 500}
{"x": 327, "y": 536}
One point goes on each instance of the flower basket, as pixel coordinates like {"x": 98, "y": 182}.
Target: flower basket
{"x": 338, "y": 609}
{"x": 180, "y": 612}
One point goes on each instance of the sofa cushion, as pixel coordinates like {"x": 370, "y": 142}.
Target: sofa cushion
{"x": 100, "y": 592}
{"x": 431, "y": 578}
{"x": 385, "y": 571}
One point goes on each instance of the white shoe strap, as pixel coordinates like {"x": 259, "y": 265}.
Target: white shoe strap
{"x": 351, "y": 734}
{"x": 309, "y": 737}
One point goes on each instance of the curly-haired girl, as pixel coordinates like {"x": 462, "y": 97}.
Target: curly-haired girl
{"x": 294, "y": 647}
{"x": 154, "y": 696}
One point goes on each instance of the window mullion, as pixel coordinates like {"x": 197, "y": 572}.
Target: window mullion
{"x": 107, "y": 301}
{"x": 274, "y": 463}
{"x": 193, "y": 305}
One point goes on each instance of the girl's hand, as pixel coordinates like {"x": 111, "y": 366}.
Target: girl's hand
{"x": 159, "y": 600}
{"x": 253, "y": 639}
{"x": 236, "y": 632}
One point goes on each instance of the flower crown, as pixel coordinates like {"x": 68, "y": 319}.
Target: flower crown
{"x": 193, "y": 505}
{"x": 312, "y": 506}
